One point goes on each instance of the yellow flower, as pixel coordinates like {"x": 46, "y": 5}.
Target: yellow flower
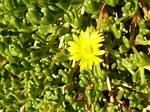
{"x": 86, "y": 48}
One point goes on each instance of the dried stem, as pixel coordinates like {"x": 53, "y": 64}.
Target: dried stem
{"x": 104, "y": 14}
{"x": 108, "y": 79}
{"x": 134, "y": 23}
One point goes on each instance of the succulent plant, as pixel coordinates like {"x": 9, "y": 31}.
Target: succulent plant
{"x": 37, "y": 75}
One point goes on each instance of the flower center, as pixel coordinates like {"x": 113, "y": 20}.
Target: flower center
{"x": 88, "y": 50}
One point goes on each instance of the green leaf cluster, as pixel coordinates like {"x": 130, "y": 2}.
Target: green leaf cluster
{"x": 36, "y": 74}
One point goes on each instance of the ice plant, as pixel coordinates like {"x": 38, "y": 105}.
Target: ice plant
{"x": 85, "y": 48}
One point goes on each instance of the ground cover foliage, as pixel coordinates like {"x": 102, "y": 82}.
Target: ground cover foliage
{"x": 36, "y": 74}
